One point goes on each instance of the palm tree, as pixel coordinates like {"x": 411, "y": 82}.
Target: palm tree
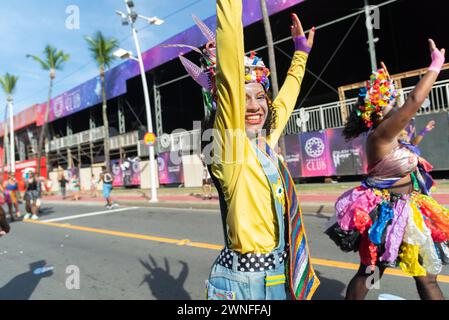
{"x": 102, "y": 50}
{"x": 53, "y": 60}
{"x": 8, "y": 83}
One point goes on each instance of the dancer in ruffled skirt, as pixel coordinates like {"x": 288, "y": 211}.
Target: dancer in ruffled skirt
{"x": 391, "y": 219}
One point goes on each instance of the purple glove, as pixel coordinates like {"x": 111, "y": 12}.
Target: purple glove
{"x": 437, "y": 61}
{"x": 301, "y": 44}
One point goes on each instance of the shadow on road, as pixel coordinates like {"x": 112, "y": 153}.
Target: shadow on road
{"x": 163, "y": 285}
{"x": 22, "y": 286}
{"x": 43, "y": 211}
{"x": 329, "y": 289}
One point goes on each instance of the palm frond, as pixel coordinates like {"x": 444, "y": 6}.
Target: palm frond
{"x": 102, "y": 49}
{"x": 8, "y": 83}
{"x": 43, "y": 64}
{"x": 52, "y": 58}
{"x": 60, "y": 58}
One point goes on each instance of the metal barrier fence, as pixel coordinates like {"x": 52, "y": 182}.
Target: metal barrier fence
{"x": 308, "y": 119}
{"x": 327, "y": 116}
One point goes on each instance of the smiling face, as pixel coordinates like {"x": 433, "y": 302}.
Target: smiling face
{"x": 256, "y": 108}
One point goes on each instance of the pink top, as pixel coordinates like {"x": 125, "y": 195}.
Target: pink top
{"x": 399, "y": 163}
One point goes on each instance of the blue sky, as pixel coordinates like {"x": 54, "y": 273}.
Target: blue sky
{"x": 27, "y": 26}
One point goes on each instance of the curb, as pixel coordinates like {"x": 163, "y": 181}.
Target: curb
{"x": 320, "y": 210}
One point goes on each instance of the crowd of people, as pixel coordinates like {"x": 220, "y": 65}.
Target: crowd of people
{"x": 105, "y": 177}
{"x": 34, "y": 186}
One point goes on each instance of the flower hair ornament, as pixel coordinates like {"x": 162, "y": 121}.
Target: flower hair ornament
{"x": 204, "y": 75}
{"x": 379, "y": 94}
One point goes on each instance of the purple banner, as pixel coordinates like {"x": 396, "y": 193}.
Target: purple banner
{"x": 293, "y": 155}
{"x": 315, "y": 155}
{"x": 170, "y": 168}
{"x": 126, "y": 172}
{"x": 89, "y": 93}
{"x": 347, "y": 157}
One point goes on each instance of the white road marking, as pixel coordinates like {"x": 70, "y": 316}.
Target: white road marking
{"x": 89, "y": 214}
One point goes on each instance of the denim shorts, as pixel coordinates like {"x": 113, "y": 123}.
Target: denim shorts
{"x": 107, "y": 188}
{"x": 229, "y": 284}
{"x": 31, "y": 195}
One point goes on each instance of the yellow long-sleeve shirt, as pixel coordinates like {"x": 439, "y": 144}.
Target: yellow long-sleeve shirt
{"x": 251, "y": 219}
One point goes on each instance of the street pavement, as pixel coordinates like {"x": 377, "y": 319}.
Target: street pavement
{"x": 148, "y": 253}
{"x": 319, "y": 202}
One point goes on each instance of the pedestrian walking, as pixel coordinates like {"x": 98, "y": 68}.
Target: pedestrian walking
{"x": 207, "y": 181}
{"x": 94, "y": 186}
{"x": 62, "y": 185}
{"x": 107, "y": 178}
{"x": 31, "y": 196}
{"x": 11, "y": 189}
{"x": 76, "y": 187}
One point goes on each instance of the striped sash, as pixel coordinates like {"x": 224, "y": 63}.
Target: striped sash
{"x": 301, "y": 275}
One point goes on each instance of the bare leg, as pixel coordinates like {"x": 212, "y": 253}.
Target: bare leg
{"x": 16, "y": 205}
{"x": 4, "y": 226}
{"x": 358, "y": 287}
{"x": 10, "y": 211}
{"x": 428, "y": 288}
{"x": 209, "y": 191}
{"x": 28, "y": 206}
{"x": 34, "y": 209}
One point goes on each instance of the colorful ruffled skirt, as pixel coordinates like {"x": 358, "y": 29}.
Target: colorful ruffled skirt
{"x": 410, "y": 231}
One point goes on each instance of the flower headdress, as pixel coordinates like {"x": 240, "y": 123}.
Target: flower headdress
{"x": 380, "y": 92}
{"x": 204, "y": 75}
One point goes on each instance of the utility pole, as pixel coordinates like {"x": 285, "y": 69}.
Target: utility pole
{"x": 131, "y": 18}
{"x": 271, "y": 61}
{"x": 371, "y": 40}
{"x": 270, "y": 45}
{"x": 12, "y": 152}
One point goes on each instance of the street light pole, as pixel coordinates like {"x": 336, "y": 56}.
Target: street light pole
{"x": 371, "y": 40}
{"x": 147, "y": 103}
{"x": 12, "y": 152}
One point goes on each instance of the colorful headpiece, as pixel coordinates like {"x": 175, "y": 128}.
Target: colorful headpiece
{"x": 379, "y": 93}
{"x": 204, "y": 75}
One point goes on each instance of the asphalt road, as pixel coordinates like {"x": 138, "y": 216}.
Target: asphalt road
{"x": 144, "y": 253}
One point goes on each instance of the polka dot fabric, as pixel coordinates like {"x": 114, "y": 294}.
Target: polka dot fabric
{"x": 250, "y": 262}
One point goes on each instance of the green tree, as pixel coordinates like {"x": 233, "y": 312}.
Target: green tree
{"x": 102, "y": 50}
{"x": 52, "y": 60}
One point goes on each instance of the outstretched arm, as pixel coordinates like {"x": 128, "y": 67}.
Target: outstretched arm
{"x": 285, "y": 102}
{"x": 390, "y": 128}
{"x": 229, "y": 136}
{"x": 429, "y": 127}
{"x": 230, "y": 66}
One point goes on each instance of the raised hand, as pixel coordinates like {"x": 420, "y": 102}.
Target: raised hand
{"x": 301, "y": 42}
{"x": 430, "y": 125}
{"x": 438, "y": 57}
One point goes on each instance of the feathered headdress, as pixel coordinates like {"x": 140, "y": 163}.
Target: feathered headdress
{"x": 204, "y": 75}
